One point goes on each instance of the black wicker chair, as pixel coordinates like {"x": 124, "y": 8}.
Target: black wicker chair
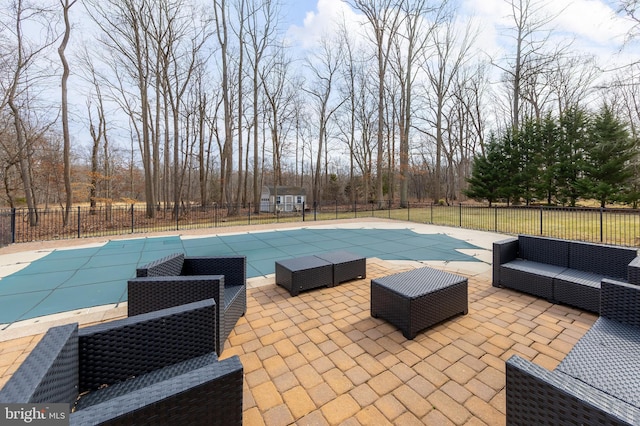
{"x": 598, "y": 382}
{"x": 176, "y": 280}
{"x": 156, "y": 368}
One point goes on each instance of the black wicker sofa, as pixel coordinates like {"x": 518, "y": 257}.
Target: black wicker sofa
{"x": 598, "y": 382}
{"x": 158, "y": 368}
{"x": 562, "y": 271}
{"x": 175, "y": 280}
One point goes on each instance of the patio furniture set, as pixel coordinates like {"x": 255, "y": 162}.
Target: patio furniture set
{"x": 598, "y": 382}
{"x": 412, "y": 300}
{"x": 157, "y": 366}
{"x": 562, "y": 271}
{"x": 175, "y": 280}
{"x": 160, "y": 365}
{"x": 326, "y": 269}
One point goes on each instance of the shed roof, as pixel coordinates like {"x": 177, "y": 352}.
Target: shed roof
{"x": 287, "y": 190}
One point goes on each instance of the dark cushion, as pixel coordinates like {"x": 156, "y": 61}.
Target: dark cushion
{"x": 607, "y": 358}
{"x": 608, "y": 261}
{"x": 544, "y": 250}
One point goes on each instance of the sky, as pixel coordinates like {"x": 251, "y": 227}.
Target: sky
{"x": 592, "y": 24}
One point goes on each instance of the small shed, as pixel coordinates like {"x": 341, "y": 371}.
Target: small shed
{"x": 284, "y": 198}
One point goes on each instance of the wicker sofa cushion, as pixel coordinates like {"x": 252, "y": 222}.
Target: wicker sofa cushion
{"x": 145, "y": 380}
{"x": 585, "y": 278}
{"x": 607, "y": 358}
{"x": 535, "y": 268}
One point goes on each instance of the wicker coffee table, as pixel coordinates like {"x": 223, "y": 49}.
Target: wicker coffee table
{"x": 417, "y": 299}
{"x": 346, "y": 266}
{"x": 303, "y": 273}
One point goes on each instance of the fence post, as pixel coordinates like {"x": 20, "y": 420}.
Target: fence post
{"x": 303, "y": 210}
{"x": 408, "y": 214}
{"x": 355, "y": 209}
{"x": 336, "y": 208}
{"x": 13, "y": 225}
{"x": 541, "y": 210}
{"x": 132, "y": 219}
{"x": 601, "y": 224}
{"x": 460, "y": 215}
{"x": 315, "y": 210}
{"x": 249, "y": 213}
{"x": 78, "y": 221}
{"x": 431, "y": 221}
{"x": 495, "y": 218}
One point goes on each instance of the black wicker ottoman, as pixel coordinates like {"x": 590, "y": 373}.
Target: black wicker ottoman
{"x": 415, "y": 300}
{"x": 346, "y": 266}
{"x": 303, "y": 273}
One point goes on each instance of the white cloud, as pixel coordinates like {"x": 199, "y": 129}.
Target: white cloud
{"x": 322, "y": 21}
{"x": 592, "y": 20}
{"x": 593, "y": 25}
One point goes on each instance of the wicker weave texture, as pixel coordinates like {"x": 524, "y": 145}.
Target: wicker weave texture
{"x": 551, "y": 251}
{"x": 168, "y": 265}
{"x": 605, "y": 260}
{"x": 303, "y": 273}
{"x": 503, "y": 251}
{"x": 529, "y": 277}
{"x": 145, "y": 343}
{"x": 633, "y": 271}
{"x": 346, "y": 266}
{"x": 210, "y": 395}
{"x": 578, "y": 288}
{"x": 540, "y": 268}
{"x": 620, "y": 302}
{"x": 607, "y": 358}
{"x": 50, "y": 372}
{"x": 188, "y": 385}
{"x": 536, "y": 396}
{"x": 418, "y": 299}
{"x": 234, "y": 268}
{"x": 199, "y": 278}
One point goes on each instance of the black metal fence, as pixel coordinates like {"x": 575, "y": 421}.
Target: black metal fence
{"x": 612, "y": 226}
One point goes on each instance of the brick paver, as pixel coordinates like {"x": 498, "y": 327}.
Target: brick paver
{"x": 319, "y": 358}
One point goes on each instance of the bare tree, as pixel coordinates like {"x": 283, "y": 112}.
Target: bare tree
{"x": 530, "y": 33}
{"x": 66, "y": 5}
{"x": 279, "y": 94}
{"x": 221, "y": 11}
{"x": 631, "y": 8}
{"x": 17, "y": 85}
{"x": 410, "y": 45}
{"x": 449, "y": 56}
{"x": 261, "y": 31}
{"x": 323, "y": 65}
{"x": 124, "y": 27}
{"x": 185, "y": 37}
{"x": 384, "y": 18}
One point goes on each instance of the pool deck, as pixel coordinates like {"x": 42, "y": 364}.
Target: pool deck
{"x": 320, "y": 358}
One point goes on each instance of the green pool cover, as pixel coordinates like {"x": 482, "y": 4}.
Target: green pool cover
{"x": 66, "y": 280}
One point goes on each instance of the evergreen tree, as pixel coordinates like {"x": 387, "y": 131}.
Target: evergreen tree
{"x": 486, "y": 174}
{"x": 608, "y": 161}
{"x": 529, "y": 141}
{"x": 510, "y": 167}
{"x": 570, "y": 161}
{"x": 547, "y": 182}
